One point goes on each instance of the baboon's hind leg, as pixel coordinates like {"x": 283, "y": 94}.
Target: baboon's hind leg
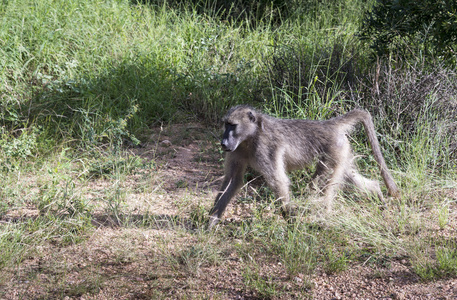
{"x": 339, "y": 161}
{"x": 326, "y": 181}
{"x": 333, "y": 185}
{"x": 367, "y": 186}
{"x": 319, "y": 179}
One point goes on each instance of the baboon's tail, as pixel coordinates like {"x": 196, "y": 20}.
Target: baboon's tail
{"x": 364, "y": 117}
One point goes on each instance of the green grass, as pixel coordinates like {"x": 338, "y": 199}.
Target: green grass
{"x": 85, "y": 84}
{"x": 98, "y": 71}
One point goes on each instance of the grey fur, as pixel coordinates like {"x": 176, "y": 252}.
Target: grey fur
{"x": 274, "y": 147}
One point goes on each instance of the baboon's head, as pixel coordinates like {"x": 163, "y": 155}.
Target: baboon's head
{"x": 241, "y": 123}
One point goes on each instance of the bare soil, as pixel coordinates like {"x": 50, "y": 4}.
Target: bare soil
{"x": 122, "y": 259}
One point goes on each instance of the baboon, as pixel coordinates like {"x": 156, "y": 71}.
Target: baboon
{"x": 274, "y": 147}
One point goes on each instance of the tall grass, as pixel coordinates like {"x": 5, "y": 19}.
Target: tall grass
{"x": 81, "y": 69}
{"x": 82, "y": 66}
{"x": 81, "y": 79}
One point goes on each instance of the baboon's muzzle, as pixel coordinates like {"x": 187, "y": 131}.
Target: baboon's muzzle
{"x": 225, "y": 146}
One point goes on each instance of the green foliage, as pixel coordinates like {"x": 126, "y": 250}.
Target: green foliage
{"x": 194, "y": 257}
{"x": 295, "y": 246}
{"x": 112, "y": 165}
{"x": 406, "y": 26}
{"x": 309, "y": 82}
{"x": 90, "y": 72}
{"x": 253, "y": 13}
{"x": 415, "y": 107}
{"x": 447, "y": 260}
{"x": 105, "y": 75}
{"x": 198, "y": 215}
{"x": 18, "y": 147}
{"x": 310, "y": 74}
{"x": 265, "y": 287}
{"x": 59, "y": 200}
{"x": 97, "y": 75}
{"x": 335, "y": 262}
{"x": 13, "y": 244}
{"x": 63, "y": 230}
{"x": 444, "y": 264}
{"x": 296, "y": 249}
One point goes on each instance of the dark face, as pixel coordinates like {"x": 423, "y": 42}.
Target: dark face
{"x": 230, "y": 139}
{"x": 240, "y": 125}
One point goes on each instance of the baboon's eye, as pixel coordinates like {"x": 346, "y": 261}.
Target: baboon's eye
{"x": 251, "y": 116}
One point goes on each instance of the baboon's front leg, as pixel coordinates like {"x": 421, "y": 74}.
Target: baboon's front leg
{"x": 233, "y": 181}
{"x": 280, "y": 183}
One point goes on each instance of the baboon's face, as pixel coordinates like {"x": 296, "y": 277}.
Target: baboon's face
{"x": 240, "y": 125}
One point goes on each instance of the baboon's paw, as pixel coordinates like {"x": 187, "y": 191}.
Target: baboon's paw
{"x": 213, "y": 220}
{"x": 289, "y": 210}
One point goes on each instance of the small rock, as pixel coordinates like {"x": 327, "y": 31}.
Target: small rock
{"x": 165, "y": 143}
{"x": 397, "y": 295}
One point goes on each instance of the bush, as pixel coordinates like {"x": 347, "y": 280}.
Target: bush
{"x": 415, "y": 105}
{"x": 311, "y": 78}
{"x": 406, "y": 26}
{"x": 238, "y": 11}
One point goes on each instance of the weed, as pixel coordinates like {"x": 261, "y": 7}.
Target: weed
{"x": 112, "y": 165}
{"x": 181, "y": 184}
{"x": 443, "y": 214}
{"x": 297, "y": 252}
{"x": 294, "y": 246}
{"x": 198, "y": 215}
{"x": 334, "y": 261}
{"x": 197, "y": 256}
{"x": 446, "y": 257}
{"x": 205, "y": 251}
{"x": 115, "y": 202}
{"x": 21, "y": 146}
{"x": 308, "y": 82}
{"x": 13, "y": 244}
{"x": 263, "y": 286}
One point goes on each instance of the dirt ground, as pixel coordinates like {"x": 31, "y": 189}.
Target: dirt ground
{"x": 119, "y": 261}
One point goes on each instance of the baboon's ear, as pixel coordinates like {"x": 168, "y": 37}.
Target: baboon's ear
{"x": 259, "y": 121}
{"x": 251, "y": 116}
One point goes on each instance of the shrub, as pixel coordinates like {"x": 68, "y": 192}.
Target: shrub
{"x": 409, "y": 25}
{"x": 311, "y": 77}
{"x": 239, "y": 11}
{"x": 415, "y": 105}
